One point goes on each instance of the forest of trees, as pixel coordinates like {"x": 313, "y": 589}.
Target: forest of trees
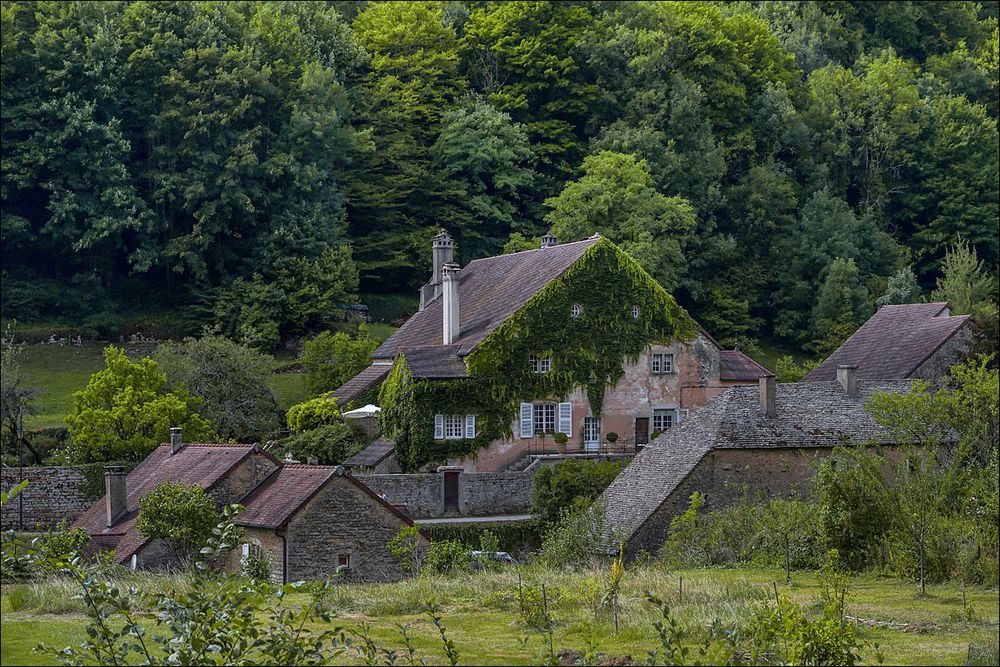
{"x": 247, "y": 164}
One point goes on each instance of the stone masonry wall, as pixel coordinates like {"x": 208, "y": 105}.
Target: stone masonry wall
{"x": 953, "y": 351}
{"x": 479, "y": 494}
{"x": 54, "y": 493}
{"x": 343, "y": 519}
{"x": 725, "y": 477}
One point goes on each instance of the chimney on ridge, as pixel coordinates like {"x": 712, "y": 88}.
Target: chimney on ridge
{"x": 442, "y": 252}
{"x": 175, "y": 440}
{"x": 847, "y": 376}
{"x": 549, "y": 239}
{"x": 115, "y": 493}
{"x": 768, "y": 396}
{"x": 449, "y": 310}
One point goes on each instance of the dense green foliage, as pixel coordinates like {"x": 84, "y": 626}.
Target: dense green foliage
{"x": 231, "y": 381}
{"x": 331, "y": 444}
{"x": 606, "y": 284}
{"x": 127, "y": 409}
{"x": 313, "y": 413}
{"x": 249, "y": 163}
{"x": 569, "y": 484}
{"x": 181, "y": 515}
{"x": 331, "y": 359}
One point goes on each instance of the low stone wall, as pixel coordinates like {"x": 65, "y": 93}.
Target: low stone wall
{"x": 479, "y": 494}
{"x": 54, "y": 493}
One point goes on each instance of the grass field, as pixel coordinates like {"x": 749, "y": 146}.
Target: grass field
{"x": 481, "y": 613}
{"x": 59, "y": 370}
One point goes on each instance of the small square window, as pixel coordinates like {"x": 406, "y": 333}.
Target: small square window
{"x": 453, "y": 425}
{"x": 663, "y": 363}
{"x": 343, "y": 561}
{"x": 663, "y": 419}
{"x": 575, "y": 310}
{"x": 540, "y": 364}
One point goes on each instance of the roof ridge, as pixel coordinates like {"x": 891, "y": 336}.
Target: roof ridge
{"x": 521, "y": 252}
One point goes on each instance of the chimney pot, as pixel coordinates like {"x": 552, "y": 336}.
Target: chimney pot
{"x": 176, "y": 440}
{"x": 549, "y": 240}
{"x": 847, "y": 376}
{"x": 768, "y": 396}
{"x": 450, "y": 308}
{"x": 312, "y": 459}
{"x": 115, "y": 493}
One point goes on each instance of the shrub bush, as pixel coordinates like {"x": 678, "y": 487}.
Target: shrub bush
{"x": 564, "y": 485}
{"x": 181, "y": 515}
{"x": 331, "y": 359}
{"x": 313, "y": 413}
{"x": 446, "y": 557}
{"x": 331, "y": 444}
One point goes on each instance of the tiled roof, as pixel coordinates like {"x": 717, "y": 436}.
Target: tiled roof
{"x": 273, "y": 502}
{"x": 436, "y": 361}
{"x": 813, "y": 414}
{"x": 201, "y": 465}
{"x": 893, "y": 342}
{"x": 361, "y": 383}
{"x": 371, "y": 455}
{"x": 734, "y": 366}
{"x": 490, "y": 290}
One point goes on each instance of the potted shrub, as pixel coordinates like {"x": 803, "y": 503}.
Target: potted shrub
{"x": 560, "y": 440}
{"x": 611, "y": 437}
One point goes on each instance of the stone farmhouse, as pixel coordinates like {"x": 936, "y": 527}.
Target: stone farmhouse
{"x": 748, "y": 442}
{"x": 571, "y": 338}
{"x": 314, "y": 521}
{"x": 916, "y": 340}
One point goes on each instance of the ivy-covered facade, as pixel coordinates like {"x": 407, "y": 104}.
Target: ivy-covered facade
{"x": 589, "y": 350}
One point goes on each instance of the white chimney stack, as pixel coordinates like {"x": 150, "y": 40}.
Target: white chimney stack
{"x": 847, "y": 376}
{"x": 449, "y": 308}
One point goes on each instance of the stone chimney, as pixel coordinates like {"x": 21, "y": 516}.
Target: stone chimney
{"x": 442, "y": 252}
{"x": 312, "y": 459}
{"x": 115, "y": 493}
{"x": 847, "y": 376}
{"x": 449, "y": 310}
{"x": 175, "y": 440}
{"x": 768, "y": 396}
{"x": 549, "y": 240}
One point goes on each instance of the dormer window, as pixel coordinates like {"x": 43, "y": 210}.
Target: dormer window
{"x": 635, "y": 312}
{"x": 575, "y": 310}
{"x": 540, "y": 364}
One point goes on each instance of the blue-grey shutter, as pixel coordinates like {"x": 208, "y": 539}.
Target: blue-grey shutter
{"x": 566, "y": 419}
{"x": 439, "y": 427}
{"x": 470, "y": 426}
{"x": 526, "y": 419}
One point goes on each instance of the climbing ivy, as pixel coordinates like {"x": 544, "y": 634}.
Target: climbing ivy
{"x": 587, "y": 351}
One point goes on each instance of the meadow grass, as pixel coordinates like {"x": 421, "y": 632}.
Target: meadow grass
{"x": 481, "y": 612}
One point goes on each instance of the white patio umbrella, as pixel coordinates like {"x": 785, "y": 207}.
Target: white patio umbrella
{"x": 367, "y": 412}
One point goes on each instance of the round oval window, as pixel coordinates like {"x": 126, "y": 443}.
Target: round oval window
{"x": 575, "y": 310}
{"x": 635, "y": 312}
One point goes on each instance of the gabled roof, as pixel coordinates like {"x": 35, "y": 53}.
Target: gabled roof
{"x": 361, "y": 383}
{"x": 809, "y": 414}
{"x": 280, "y": 496}
{"x": 490, "y": 290}
{"x": 435, "y": 361}
{"x": 201, "y": 465}
{"x": 734, "y": 366}
{"x": 893, "y": 343}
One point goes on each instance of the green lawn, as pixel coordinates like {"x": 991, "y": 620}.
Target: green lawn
{"x": 481, "y": 613}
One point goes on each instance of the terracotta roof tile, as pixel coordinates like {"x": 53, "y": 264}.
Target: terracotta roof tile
{"x": 734, "y": 366}
{"x": 893, "y": 343}
{"x": 201, "y": 465}
{"x": 275, "y": 501}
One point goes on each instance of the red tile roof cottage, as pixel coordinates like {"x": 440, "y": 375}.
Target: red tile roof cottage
{"x": 313, "y": 520}
{"x": 571, "y": 338}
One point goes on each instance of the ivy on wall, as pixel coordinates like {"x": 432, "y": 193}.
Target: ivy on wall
{"x": 588, "y": 350}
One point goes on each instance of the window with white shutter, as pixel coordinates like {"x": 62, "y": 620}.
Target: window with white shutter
{"x": 439, "y": 427}
{"x": 454, "y": 427}
{"x": 566, "y": 419}
{"x": 470, "y": 426}
{"x": 527, "y": 425}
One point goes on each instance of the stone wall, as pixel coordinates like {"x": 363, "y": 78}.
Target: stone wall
{"x": 727, "y": 476}
{"x": 54, "y": 493}
{"x": 951, "y": 352}
{"x": 479, "y": 494}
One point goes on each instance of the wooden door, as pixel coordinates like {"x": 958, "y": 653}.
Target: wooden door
{"x": 641, "y": 430}
{"x": 451, "y": 491}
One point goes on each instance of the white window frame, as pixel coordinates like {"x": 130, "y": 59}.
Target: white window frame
{"x": 540, "y": 364}
{"x": 454, "y": 427}
{"x": 682, "y": 415}
{"x": 562, "y": 419}
{"x": 592, "y": 431}
{"x": 662, "y": 363}
{"x": 575, "y": 310}
{"x": 635, "y": 312}
{"x": 546, "y": 411}
{"x": 660, "y": 415}
{"x": 350, "y": 561}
